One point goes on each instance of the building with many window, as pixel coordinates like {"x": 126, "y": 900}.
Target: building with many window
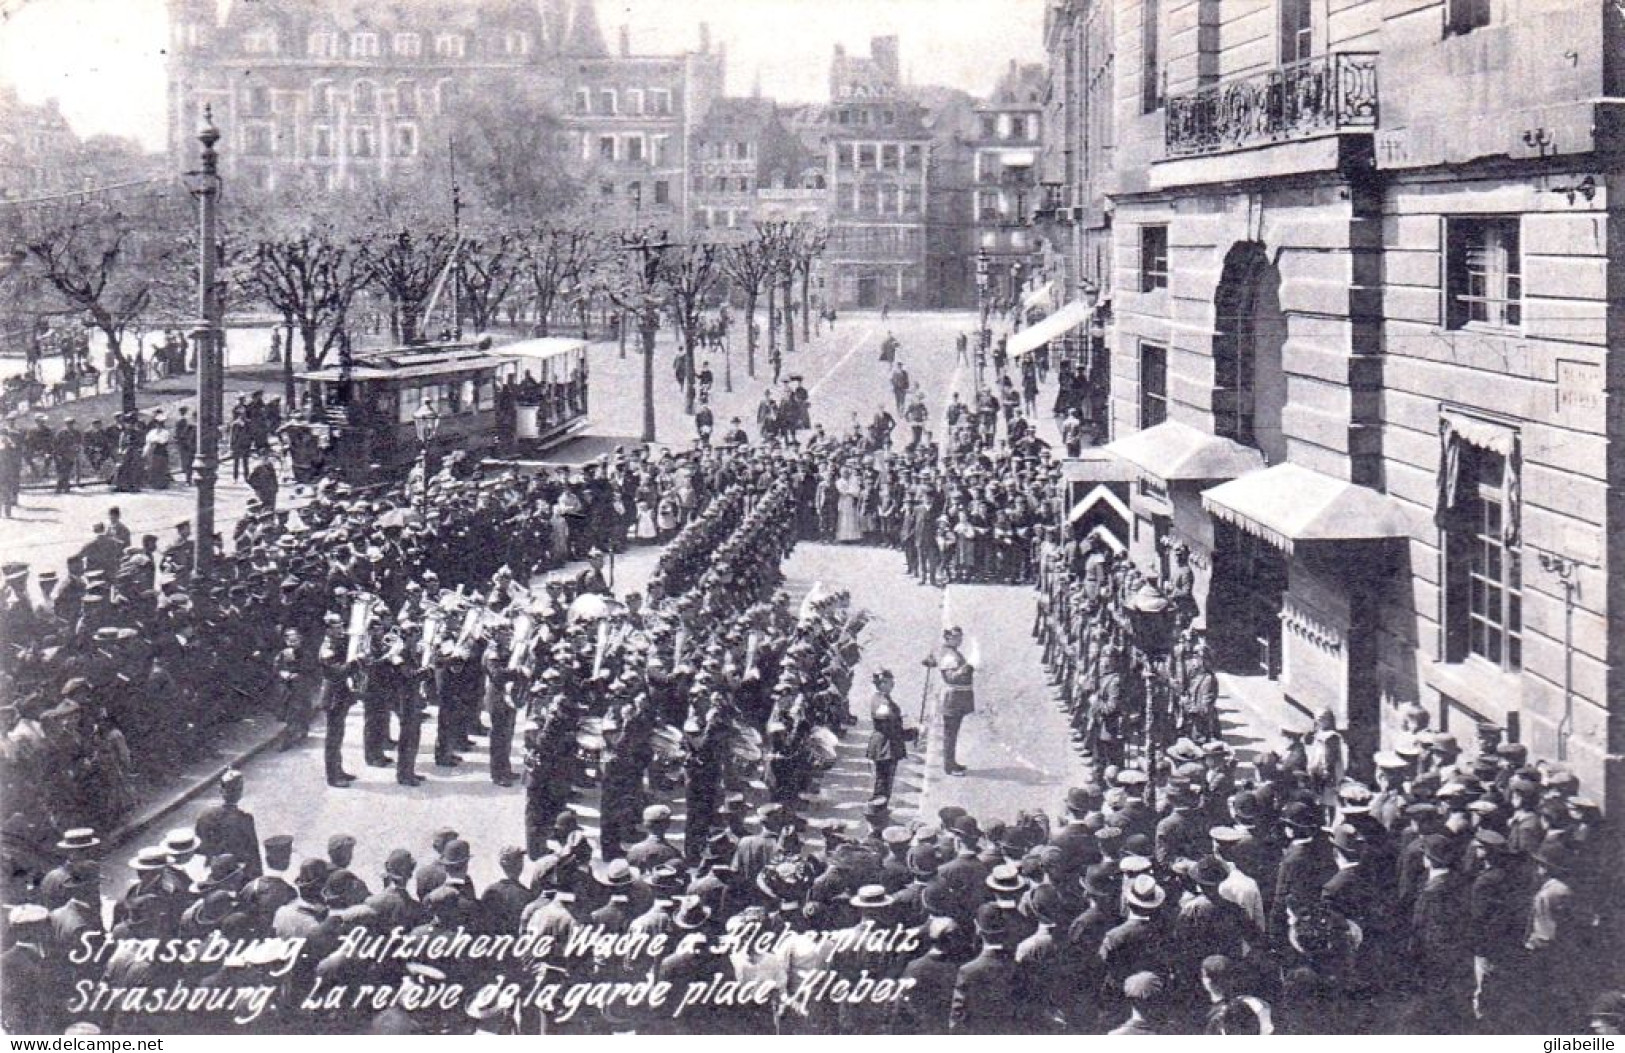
{"x": 879, "y": 161}
{"x": 1366, "y": 282}
{"x": 324, "y": 97}
{"x": 740, "y": 149}
{"x": 1004, "y": 180}
{"x": 321, "y": 97}
{"x": 635, "y": 117}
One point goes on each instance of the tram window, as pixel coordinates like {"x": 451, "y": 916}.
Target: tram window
{"x": 471, "y": 396}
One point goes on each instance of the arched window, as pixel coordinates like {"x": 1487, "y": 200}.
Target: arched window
{"x": 321, "y": 97}
{"x": 406, "y": 98}
{"x": 1249, "y": 381}
{"x": 364, "y": 97}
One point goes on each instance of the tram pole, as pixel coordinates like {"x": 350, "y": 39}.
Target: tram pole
{"x": 210, "y": 372}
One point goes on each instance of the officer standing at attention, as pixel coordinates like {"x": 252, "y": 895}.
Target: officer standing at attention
{"x": 959, "y": 694}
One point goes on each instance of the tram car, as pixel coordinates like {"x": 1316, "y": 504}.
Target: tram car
{"x": 486, "y": 400}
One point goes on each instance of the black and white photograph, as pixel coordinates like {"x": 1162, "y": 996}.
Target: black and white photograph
{"x": 812, "y": 518}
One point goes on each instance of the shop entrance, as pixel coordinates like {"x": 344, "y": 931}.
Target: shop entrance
{"x": 1244, "y": 602}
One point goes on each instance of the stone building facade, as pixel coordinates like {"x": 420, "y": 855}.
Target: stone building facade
{"x": 1362, "y": 300}
{"x": 318, "y": 97}
{"x": 1004, "y": 179}
{"x": 878, "y": 165}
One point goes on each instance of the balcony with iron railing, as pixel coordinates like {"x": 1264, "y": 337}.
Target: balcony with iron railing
{"x": 1327, "y": 94}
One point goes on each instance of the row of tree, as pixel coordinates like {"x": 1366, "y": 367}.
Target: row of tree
{"x": 125, "y": 266}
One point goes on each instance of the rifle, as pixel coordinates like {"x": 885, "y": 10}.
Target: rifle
{"x": 925, "y": 697}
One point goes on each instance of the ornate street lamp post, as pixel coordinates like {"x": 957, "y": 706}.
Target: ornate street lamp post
{"x": 1151, "y": 625}
{"x": 210, "y": 368}
{"x": 427, "y": 422}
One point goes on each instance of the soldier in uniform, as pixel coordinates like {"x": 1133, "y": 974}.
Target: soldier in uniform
{"x": 959, "y": 694}
{"x": 336, "y": 697}
{"x": 888, "y": 742}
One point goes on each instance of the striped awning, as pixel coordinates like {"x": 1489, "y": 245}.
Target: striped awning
{"x": 1287, "y": 505}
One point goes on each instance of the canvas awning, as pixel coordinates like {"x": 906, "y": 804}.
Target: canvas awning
{"x": 1095, "y": 465}
{"x": 1042, "y": 295}
{"x": 1176, "y": 452}
{"x": 1287, "y": 504}
{"x": 1056, "y": 325}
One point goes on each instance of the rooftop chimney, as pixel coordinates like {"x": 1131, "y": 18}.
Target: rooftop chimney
{"x": 626, "y": 40}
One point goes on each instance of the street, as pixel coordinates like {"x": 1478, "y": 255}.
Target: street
{"x": 1016, "y": 745}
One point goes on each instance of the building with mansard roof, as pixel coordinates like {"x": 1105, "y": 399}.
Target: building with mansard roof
{"x": 321, "y": 96}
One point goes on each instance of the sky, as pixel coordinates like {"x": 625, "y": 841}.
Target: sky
{"x": 104, "y": 59}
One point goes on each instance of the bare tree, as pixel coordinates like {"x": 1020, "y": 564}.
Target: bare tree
{"x": 636, "y": 278}
{"x": 408, "y": 267}
{"x": 112, "y": 262}
{"x": 310, "y": 278}
{"x": 556, "y": 260}
{"x": 490, "y": 268}
{"x": 810, "y": 246}
{"x": 693, "y": 272}
{"x": 748, "y": 265}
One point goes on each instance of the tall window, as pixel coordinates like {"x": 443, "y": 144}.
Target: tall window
{"x": 843, "y": 155}
{"x": 406, "y": 98}
{"x": 1297, "y": 30}
{"x": 606, "y": 102}
{"x": 866, "y": 155}
{"x": 321, "y": 97}
{"x": 1153, "y": 385}
{"x": 321, "y": 141}
{"x": 583, "y": 100}
{"x": 888, "y": 157}
{"x": 408, "y": 45}
{"x": 257, "y": 101}
{"x": 659, "y": 101}
{"x": 606, "y": 148}
{"x": 914, "y": 157}
{"x": 659, "y": 150}
{"x": 1464, "y": 16}
{"x": 1150, "y": 65}
{"x": 911, "y": 200}
{"x": 450, "y": 45}
{"x": 1484, "y": 612}
{"x": 634, "y": 101}
{"x": 257, "y": 140}
{"x": 363, "y": 45}
{"x": 322, "y": 44}
{"x": 634, "y": 148}
{"x": 406, "y": 140}
{"x": 364, "y": 97}
{"x": 516, "y": 42}
{"x": 362, "y": 142}
{"x": 1153, "y": 258}
{"x": 1484, "y": 272}
{"x": 662, "y": 192}
{"x": 990, "y": 126}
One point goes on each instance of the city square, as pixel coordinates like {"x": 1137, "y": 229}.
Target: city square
{"x": 1122, "y": 550}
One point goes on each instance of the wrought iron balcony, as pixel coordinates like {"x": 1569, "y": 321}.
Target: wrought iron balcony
{"x": 1327, "y": 93}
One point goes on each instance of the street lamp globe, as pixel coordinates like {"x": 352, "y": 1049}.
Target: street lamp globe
{"x": 427, "y": 422}
{"x": 1151, "y": 615}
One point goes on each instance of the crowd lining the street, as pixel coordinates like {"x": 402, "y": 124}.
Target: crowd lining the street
{"x": 1176, "y": 889}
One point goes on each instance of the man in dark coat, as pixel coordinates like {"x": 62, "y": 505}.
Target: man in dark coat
{"x": 227, "y": 829}
{"x": 1306, "y": 865}
{"x": 958, "y": 696}
{"x": 985, "y": 1000}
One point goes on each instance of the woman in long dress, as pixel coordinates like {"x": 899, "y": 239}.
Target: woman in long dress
{"x": 849, "y": 516}
{"x": 156, "y": 453}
